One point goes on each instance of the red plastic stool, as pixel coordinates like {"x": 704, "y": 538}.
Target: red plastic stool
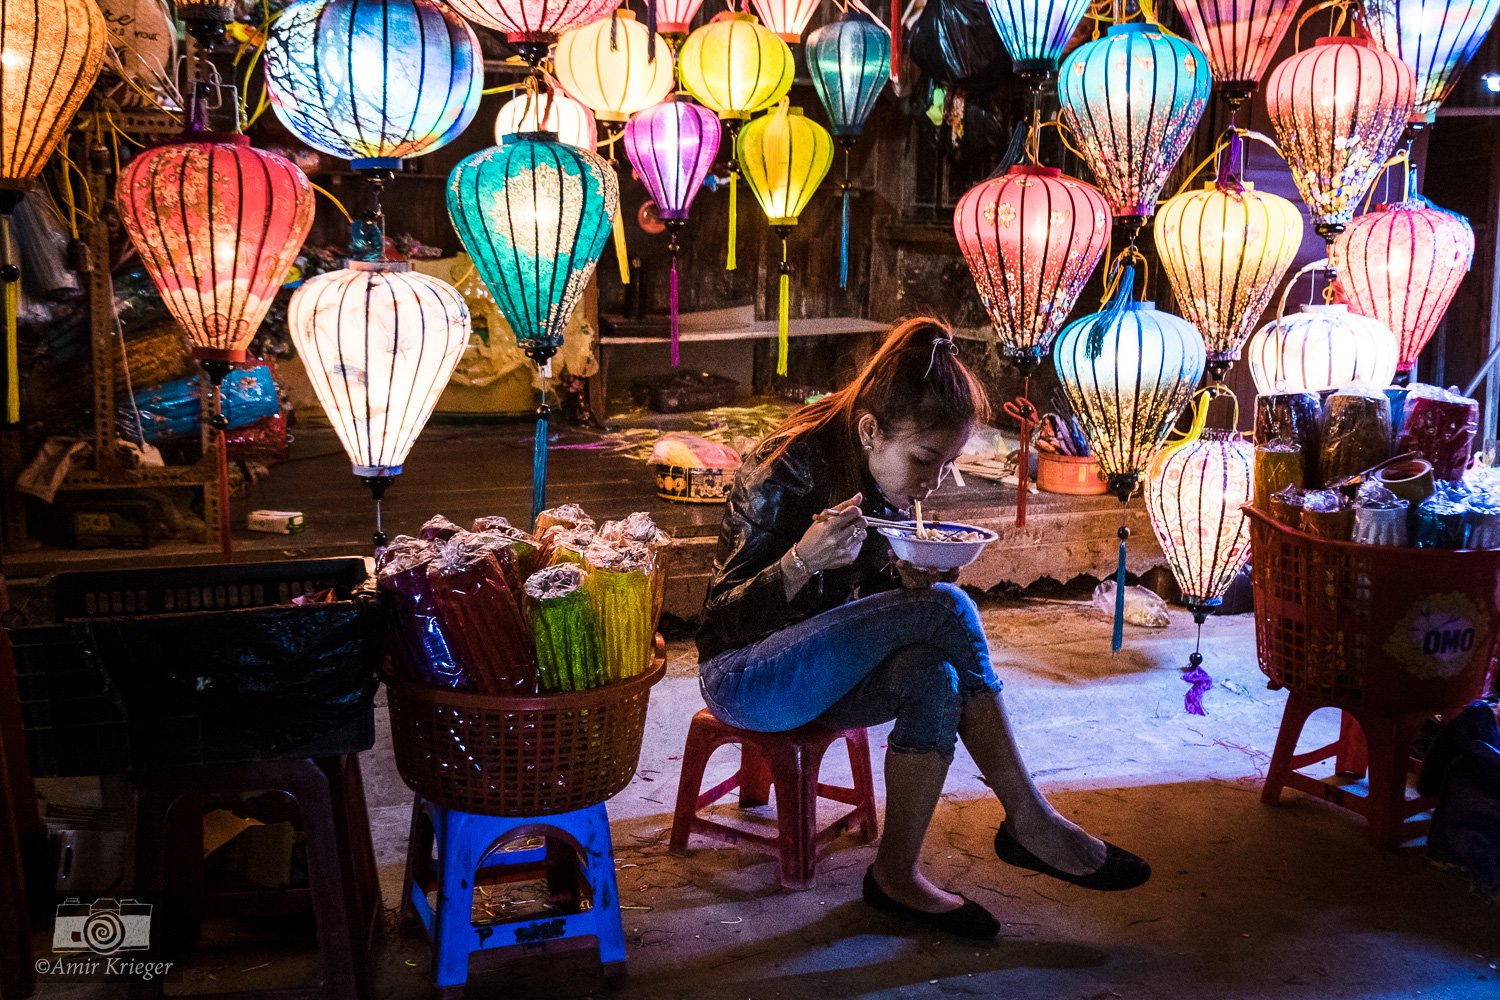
{"x": 1370, "y": 741}
{"x": 789, "y": 762}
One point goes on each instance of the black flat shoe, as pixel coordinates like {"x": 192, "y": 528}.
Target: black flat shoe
{"x": 968, "y": 921}
{"x": 1121, "y": 869}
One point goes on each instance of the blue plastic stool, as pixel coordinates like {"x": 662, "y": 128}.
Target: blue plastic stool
{"x": 577, "y": 860}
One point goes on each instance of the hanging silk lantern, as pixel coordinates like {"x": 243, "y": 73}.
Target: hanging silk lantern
{"x": 1035, "y": 32}
{"x": 1239, "y": 37}
{"x": 534, "y": 215}
{"x": 850, "y": 61}
{"x": 1401, "y": 265}
{"x": 675, "y": 17}
{"x": 1338, "y": 110}
{"x": 552, "y": 111}
{"x": 1195, "y": 492}
{"x": 1436, "y": 38}
{"x": 1225, "y": 249}
{"x": 785, "y": 157}
{"x": 531, "y": 26}
{"x": 373, "y": 81}
{"x": 1321, "y": 347}
{"x": 787, "y": 18}
{"x": 1031, "y": 237}
{"x": 1127, "y": 373}
{"x": 379, "y": 342}
{"x": 672, "y": 148}
{"x": 606, "y": 66}
{"x": 1132, "y": 99}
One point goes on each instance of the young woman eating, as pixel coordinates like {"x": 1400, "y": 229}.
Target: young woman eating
{"x": 810, "y": 619}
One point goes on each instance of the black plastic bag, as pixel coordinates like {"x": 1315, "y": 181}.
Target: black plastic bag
{"x": 955, "y": 42}
{"x": 1463, "y": 770}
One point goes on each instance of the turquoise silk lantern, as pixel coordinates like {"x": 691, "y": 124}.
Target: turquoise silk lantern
{"x": 1133, "y": 99}
{"x": 850, "y": 61}
{"x": 534, "y": 214}
{"x": 1035, "y": 32}
{"x": 1436, "y": 38}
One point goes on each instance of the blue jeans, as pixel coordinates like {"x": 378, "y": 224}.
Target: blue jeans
{"x": 912, "y": 655}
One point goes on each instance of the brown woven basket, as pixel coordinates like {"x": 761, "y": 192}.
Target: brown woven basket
{"x": 533, "y": 756}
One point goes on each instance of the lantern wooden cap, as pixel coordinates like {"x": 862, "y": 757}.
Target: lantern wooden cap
{"x": 1034, "y": 170}
{"x": 1345, "y": 40}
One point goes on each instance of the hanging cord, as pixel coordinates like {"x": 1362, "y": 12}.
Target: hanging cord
{"x": 1339, "y": 16}
{"x": 783, "y": 305}
{"x": 220, "y": 431}
{"x": 1403, "y": 157}
{"x": 10, "y": 277}
{"x": 1026, "y": 414}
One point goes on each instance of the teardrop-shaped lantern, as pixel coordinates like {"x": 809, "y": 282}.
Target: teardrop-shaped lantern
{"x": 735, "y": 67}
{"x": 850, "y": 61}
{"x": 1225, "y": 249}
{"x": 217, "y": 224}
{"x": 1436, "y": 38}
{"x": 1132, "y": 99}
{"x": 1239, "y": 37}
{"x": 607, "y": 66}
{"x": 534, "y": 215}
{"x": 1031, "y": 237}
{"x": 1319, "y": 348}
{"x": 785, "y": 156}
{"x": 532, "y": 25}
{"x": 1035, "y": 32}
{"x": 550, "y": 111}
{"x": 787, "y": 18}
{"x": 1338, "y": 109}
{"x": 675, "y": 17}
{"x": 373, "y": 81}
{"x": 672, "y": 148}
{"x": 1401, "y": 265}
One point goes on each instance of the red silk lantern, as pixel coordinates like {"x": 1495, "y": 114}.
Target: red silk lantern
{"x": 1239, "y": 37}
{"x": 217, "y": 224}
{"x": 674, "y": 17}
{"x": 1401, "y": 264}
{"x": 787, "y": 18}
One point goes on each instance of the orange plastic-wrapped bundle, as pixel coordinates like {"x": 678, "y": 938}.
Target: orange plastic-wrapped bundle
{"x": 525, "y": 546}
{"x": 566, "y": 629}
{"x": 619, "y": 580}
{"x": 569, "y": 515}
{"x": 481, "y": 617}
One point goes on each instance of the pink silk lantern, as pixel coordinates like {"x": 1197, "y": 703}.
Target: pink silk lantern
{"x": 672, "y": 147}
{"x": 218, "y": 224}
{"x": 532, "y": 25}
{"x": 1401, "y": 264}
{"x": 1239, "y": 36}
{"x": 787, "y": 18}
{"x": 675, "y": 17}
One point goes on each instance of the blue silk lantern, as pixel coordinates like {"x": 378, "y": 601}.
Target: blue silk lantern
{"x": 850, "y": 61}
{"x": 1132, "y": 99}
{"x": 534, "y": 214}
{"x": 1436, "y": 38}
{"x": 1035, "y": 32}
{"x": 1127, "y": 372}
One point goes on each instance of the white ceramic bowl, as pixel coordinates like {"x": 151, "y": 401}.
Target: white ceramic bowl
{"x": 926, "y": 553}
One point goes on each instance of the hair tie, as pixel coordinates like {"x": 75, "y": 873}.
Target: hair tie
{"x": 936, "y": 343}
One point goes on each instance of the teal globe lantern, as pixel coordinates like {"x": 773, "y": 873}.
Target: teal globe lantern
{"x": 850, "y": 61}
{"x": 1035, "y": 32}
{"x": 534, "y": 214}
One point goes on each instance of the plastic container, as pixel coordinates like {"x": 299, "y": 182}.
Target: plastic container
{"x": 693, "y": 485}
{"x": 1354, "y": 626}
{"x": 519, "y": 756}
{"x": 1073, "y": 475}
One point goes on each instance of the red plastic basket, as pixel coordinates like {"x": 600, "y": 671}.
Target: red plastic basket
{"x": 1368, "y": 626}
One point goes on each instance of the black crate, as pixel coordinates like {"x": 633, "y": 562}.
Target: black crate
{"x": 677, "y": 392}
{"x": 193, "y": 665}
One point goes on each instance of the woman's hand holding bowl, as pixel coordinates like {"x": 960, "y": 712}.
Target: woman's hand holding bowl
{"x": 916, "y": 578}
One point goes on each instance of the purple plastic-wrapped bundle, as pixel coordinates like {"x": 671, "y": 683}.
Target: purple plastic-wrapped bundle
{"x": 419, "y": 647}
{"x": 1440, "y": 426}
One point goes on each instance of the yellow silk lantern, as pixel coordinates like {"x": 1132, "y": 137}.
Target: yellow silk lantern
{"x": 785, "y": 157}
{"x": 609, "y": 66}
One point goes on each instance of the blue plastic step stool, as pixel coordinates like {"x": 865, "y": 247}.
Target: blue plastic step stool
{"x": 577, "y": 859}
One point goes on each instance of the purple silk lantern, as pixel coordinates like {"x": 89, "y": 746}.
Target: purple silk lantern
{"x": 672, "y": 145}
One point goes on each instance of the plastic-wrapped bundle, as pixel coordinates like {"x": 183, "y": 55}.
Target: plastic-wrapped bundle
{"x": 439, "y": 529}
{"x": 174, "y": 410}
{"x": 481, "y": 617}
{"x": 524, "y": 547}
{"x": 1278, "y": 464}
{"x": 1356, "y": 432}
{"x": 639, "y": 529}
{"x": 561, "y": 544}
{"x": 569, "y": 515}
{"x": 1440, "y": 426}
{"x": 620, "y": 583}
{"x": 1294, "y": 416}
{"x": 1440, "y": 521}
{"x": 417, "y": 641}
{"x": 566, "y": 630}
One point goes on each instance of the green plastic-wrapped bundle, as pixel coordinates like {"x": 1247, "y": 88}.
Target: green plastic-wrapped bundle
{"x": 566, "y": 629}
{"x": 620, "y": 582}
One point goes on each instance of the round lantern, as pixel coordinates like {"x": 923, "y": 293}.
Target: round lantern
{"x": 552, "y": 111}
{"x": 1321, "y": 347}
{"x": 380, "y": 342}
{"x": 607, "y": 67}
{"x": 373, "y": 81}
{"x": 850, "y": 61}
{"x": 787, "y": 18}
{"x": 1436, "y": 38}
{"x": 735, "y": 67}
{"x": 1225, "y": 249}
{"x": 1031, "y": 237}
{"x": 675, "y": 17}
{"x": 533, "y": 25}
{"x": 217, "y": 224}
{"x": 1338, "y": 109}
{"x": 1035, "y": 34}
{"x": 672, "y": 148}
{"x": 1401, "y": 265}
{"x": 1239, "y": 37}
{"x": 785, "y": 157}
{"x": 1132, "y": 99}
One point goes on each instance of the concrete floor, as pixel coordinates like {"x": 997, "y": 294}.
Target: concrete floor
{"x": 1247, "y": 901}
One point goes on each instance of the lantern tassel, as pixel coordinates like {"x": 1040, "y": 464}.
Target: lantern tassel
{"x": 783, "y": 310}
{"x": 729, "y": 260}
{"x": 539, "y": 460}
{"x": 10, "y": 277}
{"x": 622, "y": 255}
{"x": 1198, "y": 679}
{"x": 1023, "y": 465}
{"x": 226, "y": 540}
{"x": 672, "y": 311}
{"x": 1124, "y": 286}
{"x": 844, "y": 227}
{"x": 1117, "y": 639}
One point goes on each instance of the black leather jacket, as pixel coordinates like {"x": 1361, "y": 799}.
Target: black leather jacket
{"x": 770, "y": 507}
